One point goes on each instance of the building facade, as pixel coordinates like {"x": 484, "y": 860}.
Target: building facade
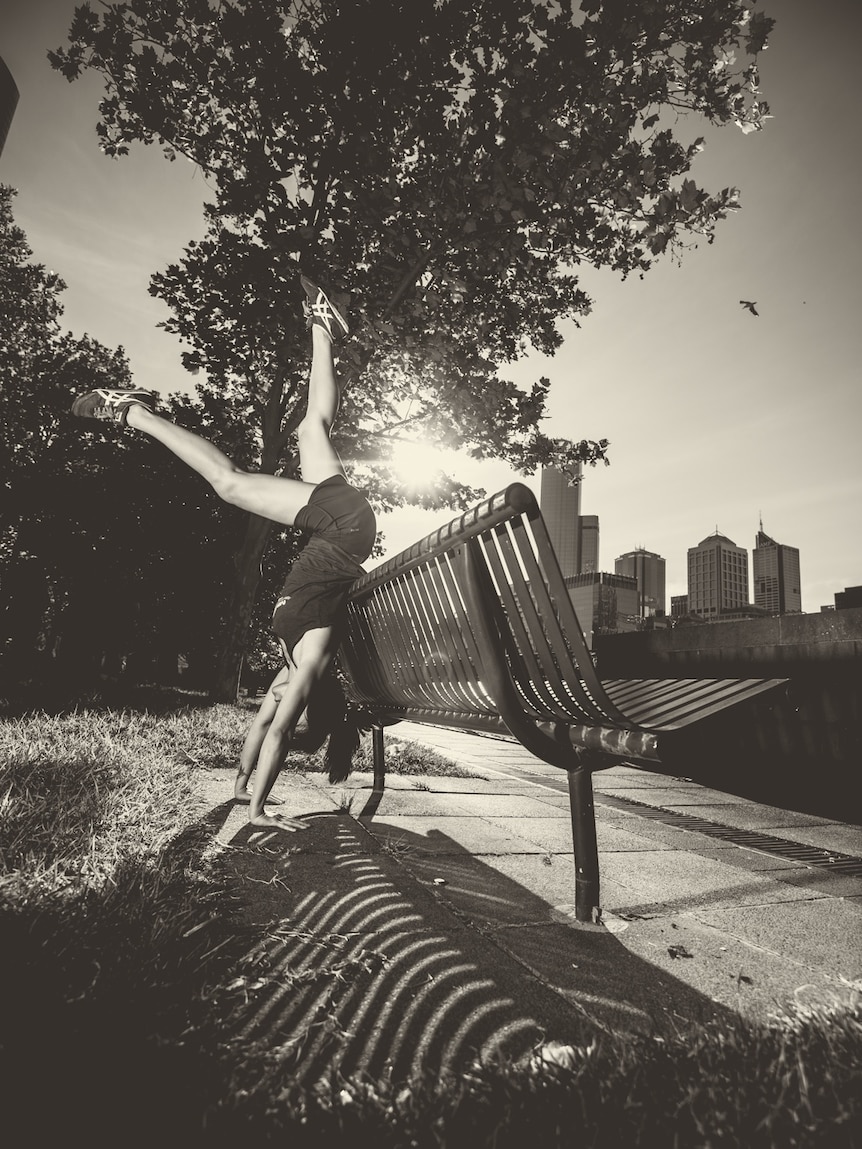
{"x": 604, "y": 603}
{"x": 849, "y": 597}
{"x": 775, "y": 571}
{"x": 8, "y": 101}
{"x": 648, "y": 569}
{"x": 717, "y": 577}
{"x": 588, "y": 544}
{"x": 560, "y": 502}
{"x": 678, "y": 605}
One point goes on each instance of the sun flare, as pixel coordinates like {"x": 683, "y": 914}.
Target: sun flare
{"x": 417, "y": 462}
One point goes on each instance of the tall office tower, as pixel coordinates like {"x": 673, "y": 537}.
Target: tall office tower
{"x": 604, "y": 603}
{"x": 8, "y": 101}
{"x": 649, "y": 570}
{"x": 776, "y": 575}
{"x": 717, "y": 576}
{"x": 561, "y": 509}
{"x": 588, "y": 544}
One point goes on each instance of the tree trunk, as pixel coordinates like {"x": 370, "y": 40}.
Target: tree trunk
{"x": 274, "y": 437}
{"x": 226, "y": 685}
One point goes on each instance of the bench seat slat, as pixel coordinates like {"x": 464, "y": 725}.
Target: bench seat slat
{"x": 555, "y": 653}
{"x": 445, "y": 647}
{"x": 562, "y": 693}
{"x": 664, "y": 705}
{"x": 535, "y": 667}
{"x": 444, "y": 587}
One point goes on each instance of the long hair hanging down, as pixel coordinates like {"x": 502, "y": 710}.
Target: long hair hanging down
{"x": 329, "y": 709}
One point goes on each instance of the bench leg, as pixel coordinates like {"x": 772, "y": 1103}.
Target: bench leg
{"x": 587, "y": 907}
{"x": 379, "y": 764}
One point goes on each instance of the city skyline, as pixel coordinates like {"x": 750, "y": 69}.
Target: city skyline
{"x": 714, "y": 415}
{"x": 774, "y": 585}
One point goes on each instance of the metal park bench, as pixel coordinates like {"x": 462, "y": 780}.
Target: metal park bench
{"x": 473, "y": 628}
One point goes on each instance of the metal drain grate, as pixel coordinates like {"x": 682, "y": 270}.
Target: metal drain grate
{"x": 831, "y": 860}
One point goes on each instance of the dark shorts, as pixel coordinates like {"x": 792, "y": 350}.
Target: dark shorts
{"x": 314, "y": 595}
{"x": 340, "y": 514}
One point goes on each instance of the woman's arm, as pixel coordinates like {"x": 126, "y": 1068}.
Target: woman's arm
{"x": 257, "y": 732}
{"x": 294, "y": 699}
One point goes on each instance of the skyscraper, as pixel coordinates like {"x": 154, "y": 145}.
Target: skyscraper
{"x": 8, "y": 101}
{"x": 588, "y": 544}
{"x": 561, "y": 509}
{"x": 776, "y": 575}
{"x": 649, "y": 570}
{"x": 604, "y": 603}
{"x": 717, "y": 576}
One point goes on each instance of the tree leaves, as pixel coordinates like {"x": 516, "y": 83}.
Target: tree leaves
{"x": 91, "y": 562}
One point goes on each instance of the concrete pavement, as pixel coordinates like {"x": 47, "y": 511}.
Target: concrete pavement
{"x": 438, "y": 928}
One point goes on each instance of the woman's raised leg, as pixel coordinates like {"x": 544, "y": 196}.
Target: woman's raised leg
{"x": 318, "y": 459}
{"x": 269, "y": 496}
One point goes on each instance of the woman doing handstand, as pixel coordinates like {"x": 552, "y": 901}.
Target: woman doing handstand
{"x": 304, "y": 704}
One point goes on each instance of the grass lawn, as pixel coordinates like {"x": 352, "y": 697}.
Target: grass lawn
{"x": 119, "y": 946}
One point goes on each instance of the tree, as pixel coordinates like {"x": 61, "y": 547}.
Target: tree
{"x": 448, "y": 165}
{"x": 103, "y": 553}
{"x": 40, "y": 369}
{"x": 39, "y": 363}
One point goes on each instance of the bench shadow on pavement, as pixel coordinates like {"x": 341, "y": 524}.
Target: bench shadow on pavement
{"x": 367, "y": 965}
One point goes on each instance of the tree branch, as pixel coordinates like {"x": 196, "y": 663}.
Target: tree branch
{"x": 408, "y": 280}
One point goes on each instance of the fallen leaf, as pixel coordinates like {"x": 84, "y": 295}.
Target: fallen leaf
{"x": 679, "y": 951}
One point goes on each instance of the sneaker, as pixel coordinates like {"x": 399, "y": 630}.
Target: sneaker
{"x": 322, "y": 312}
{"x": 112, "y": 404}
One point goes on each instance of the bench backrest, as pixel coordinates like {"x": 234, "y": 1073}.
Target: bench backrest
{"x": 473, "y": 627}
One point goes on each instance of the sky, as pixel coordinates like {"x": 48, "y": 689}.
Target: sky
{"x": 716, "y": 418}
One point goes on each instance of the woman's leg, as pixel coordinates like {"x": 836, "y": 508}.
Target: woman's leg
{"x": 269, "y": 496}
{"x": 318, "y": 459}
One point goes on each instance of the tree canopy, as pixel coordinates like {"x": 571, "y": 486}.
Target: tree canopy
{"x": 448, "y": 167}
{"x": 108, "y": 558}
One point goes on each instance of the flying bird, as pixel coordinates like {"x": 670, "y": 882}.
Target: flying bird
{"x": 750, "y": 305}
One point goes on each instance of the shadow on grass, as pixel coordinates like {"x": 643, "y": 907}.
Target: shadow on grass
{"x": 368, "y": 967}
{"x": 107, "y": 1030}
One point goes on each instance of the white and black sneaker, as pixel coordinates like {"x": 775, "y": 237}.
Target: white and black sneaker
{"x": 111, "y": 404}
{"x": 322, "y": 312}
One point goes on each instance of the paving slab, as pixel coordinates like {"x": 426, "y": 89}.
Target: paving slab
{"x": 823, "y": 932}
{"x": 499, "y": 808}
{"x": 442, "y": 834}
{"x": 673, "y": 882}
